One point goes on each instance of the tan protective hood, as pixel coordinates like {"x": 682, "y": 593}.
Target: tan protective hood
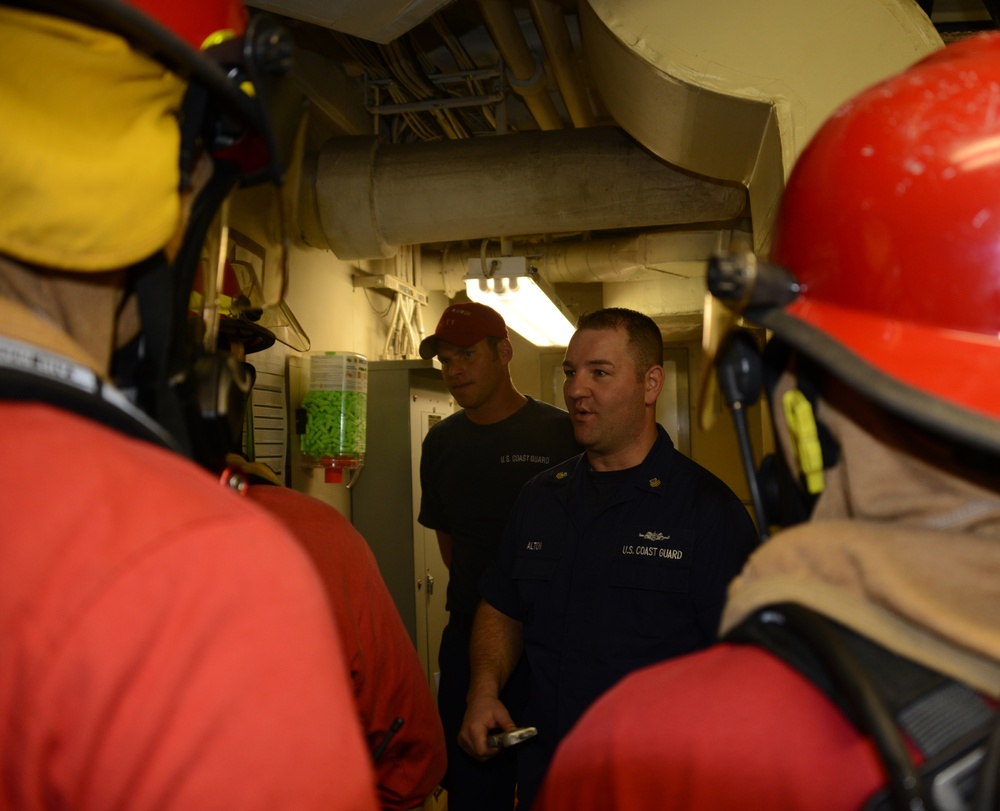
{"x": 904, "y": 547}
{"x": 72, "y": 315}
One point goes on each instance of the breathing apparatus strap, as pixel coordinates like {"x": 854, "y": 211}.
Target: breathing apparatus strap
{"x": 172, "y": 373}
{"x": 886, "y": 697}
{"x": 31, "y": 374}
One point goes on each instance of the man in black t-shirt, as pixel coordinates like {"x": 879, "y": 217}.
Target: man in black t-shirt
{"x": 472, "y": 467}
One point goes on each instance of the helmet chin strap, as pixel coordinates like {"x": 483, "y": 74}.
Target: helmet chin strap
{"x": 196, "y": 396}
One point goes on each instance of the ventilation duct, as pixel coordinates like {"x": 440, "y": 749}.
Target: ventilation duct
{"x": 699, "y": 85}
{"x": 366, "y": 199}
{"x": 375, "y": 20}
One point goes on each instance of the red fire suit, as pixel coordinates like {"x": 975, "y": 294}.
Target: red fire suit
{"x": 388, "y": 679}
{"x": 751, "y": 733}
{"x": 163, "y": 644}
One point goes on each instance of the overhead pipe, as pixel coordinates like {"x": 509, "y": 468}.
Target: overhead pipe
{"x": 551, "y": 24}
{"x": 525, "y": 73}
{"x": 641, "y": 257}
{"x": 364, "y": 199}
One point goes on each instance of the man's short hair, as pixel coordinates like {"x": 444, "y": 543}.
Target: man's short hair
{"x": 645, "y": 342}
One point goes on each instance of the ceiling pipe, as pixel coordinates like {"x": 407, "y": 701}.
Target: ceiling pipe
{"x": 363, "y": 199}
{"x": 551, "y": 24}
{"x": 525, "y": 73}
{"x": 655, "y": 255}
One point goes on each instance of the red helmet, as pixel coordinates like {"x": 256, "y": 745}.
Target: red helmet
{"x": 243, "y": 65}
{"x": 197, "y": 23}
{"x": 890, "y": 224}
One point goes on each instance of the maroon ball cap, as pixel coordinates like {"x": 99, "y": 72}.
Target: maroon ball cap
{"x": 464, "y": 325}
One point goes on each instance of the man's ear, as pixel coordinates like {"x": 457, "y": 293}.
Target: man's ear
{"x": 505, "y": 351}
{"x": 653, "y": 384}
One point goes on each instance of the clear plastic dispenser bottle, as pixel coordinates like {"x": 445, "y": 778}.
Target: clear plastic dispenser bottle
{"x": 336, "y": 409}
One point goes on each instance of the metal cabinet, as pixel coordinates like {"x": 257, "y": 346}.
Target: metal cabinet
{"x": 405, "y": 397}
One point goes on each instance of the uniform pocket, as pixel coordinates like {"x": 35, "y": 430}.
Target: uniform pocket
{"x": 534, "y": 572}
{"x": 652, "y": 560}
{"x": 650, "y": 613}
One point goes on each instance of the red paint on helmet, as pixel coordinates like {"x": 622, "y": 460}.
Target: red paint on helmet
{"x": 196, "y": 20}
{"x": 891, "y": 223}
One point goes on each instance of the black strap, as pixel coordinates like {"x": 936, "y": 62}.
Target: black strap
{"x": 882, "y": 693}
{"x": 30, "y": 374}
{"x": 182, "y": 388}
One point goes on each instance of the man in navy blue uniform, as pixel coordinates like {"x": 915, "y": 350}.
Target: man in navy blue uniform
{"x": 612, "y": 560}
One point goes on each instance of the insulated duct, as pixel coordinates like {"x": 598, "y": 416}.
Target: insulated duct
{"x": 653, "y": 256}
{"x": 707, "y": 89}
{"x": 366, "y": 199}
{"x": 376, "y": 20}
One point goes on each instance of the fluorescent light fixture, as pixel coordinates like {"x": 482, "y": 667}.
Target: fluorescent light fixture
{"x": 516, "y": 291}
